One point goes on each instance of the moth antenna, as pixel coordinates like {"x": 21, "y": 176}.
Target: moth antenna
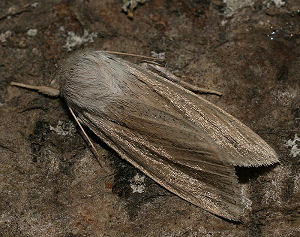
{"x": 50, "y": 91}
{"x": 198, "y": 89}
{"x": 163, "y": 72}
{"x": 133, "y": 55}
{"x": 87, "y": 137}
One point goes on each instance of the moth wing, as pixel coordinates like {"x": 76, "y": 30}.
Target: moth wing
{"x": 239, "y": 144}
{"x": 181, "y": 161}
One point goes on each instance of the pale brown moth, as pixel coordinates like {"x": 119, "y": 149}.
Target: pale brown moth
{"x": 182, "y": 141}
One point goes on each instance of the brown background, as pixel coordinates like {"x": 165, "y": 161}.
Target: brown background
{"x": 50, "y": 183}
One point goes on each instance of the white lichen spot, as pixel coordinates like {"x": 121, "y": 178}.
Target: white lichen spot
{"x": 273, "y": 190}
{"x": 247, "y": 203}
{"x": 272, "y": 193}
{"x": 64, "y": 128}
{"x": 296, "y": 183}
{"x": 34, "y": 5}
{"x": 234, "y": 5}
{"x": 4, "y": 36}
{"x": 53, "y": 166}
{"x": 74, "y": 40}
{"x": 279, "y": 3}
{"x": 12, "y": 10}
{"x": 62, "y": 28}
{"x": 130, "y": 5}
{"x": 161, "y": 55}
{"x": 284, "y": 97}
{"x": 32, "y": 32}
{"x": 137, "y": 184}
{"x": 293, "y": 144}
{"x": 223, "y": 22}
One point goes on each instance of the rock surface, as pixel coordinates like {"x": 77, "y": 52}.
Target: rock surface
{"x": 50, "y": 183}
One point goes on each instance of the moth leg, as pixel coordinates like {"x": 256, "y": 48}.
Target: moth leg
{"x": 163, "y": 72}
{"x": 89, "y": 140}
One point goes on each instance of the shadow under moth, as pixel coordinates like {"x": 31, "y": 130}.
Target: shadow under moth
{"x": 182, "y": 141}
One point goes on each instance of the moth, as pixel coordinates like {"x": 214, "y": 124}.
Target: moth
{"x": 182, "y": 141}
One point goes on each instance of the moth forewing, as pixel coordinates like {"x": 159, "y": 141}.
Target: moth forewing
{"x": 241, "y": 145}
{"x": 211, "y": 185}
{"x": 183, "y": 142}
